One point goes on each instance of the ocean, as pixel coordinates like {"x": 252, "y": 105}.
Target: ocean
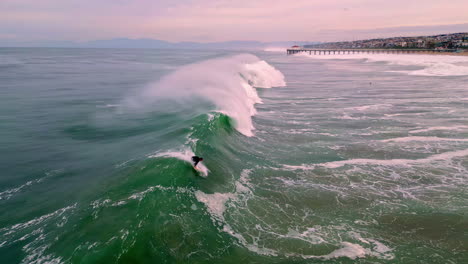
{"x": 307, "y": 159}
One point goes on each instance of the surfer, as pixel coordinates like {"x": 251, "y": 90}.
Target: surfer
{"x": 196, "y": 160}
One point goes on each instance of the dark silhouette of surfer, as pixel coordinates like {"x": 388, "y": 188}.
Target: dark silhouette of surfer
{"x": 196, "y": 160}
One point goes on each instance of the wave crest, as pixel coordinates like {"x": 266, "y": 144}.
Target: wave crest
{"x": 229, "y": 83}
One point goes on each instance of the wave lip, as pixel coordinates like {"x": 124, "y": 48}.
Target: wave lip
{"x": 229, "y": 83}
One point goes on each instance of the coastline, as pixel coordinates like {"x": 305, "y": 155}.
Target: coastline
{"x": 464, "y": 53}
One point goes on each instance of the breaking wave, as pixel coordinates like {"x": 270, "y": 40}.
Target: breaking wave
{"x": 229, "y": 83}
{"x": 390, "y": 162}
{"x": 431, "y": 65}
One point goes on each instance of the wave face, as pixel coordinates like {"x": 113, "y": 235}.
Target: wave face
{"x": 229, "y": 83}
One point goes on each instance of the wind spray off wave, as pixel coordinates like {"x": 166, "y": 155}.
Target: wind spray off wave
{"x": 229, "y": 83}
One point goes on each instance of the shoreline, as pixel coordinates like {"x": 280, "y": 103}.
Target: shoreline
{"x": 465, "y": 53}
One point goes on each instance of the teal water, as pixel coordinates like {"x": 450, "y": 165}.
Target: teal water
{"x": 307, "y": 160}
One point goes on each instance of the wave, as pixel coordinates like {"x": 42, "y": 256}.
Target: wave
{"x": 229, "y": 83}
{"x": 9, "y": 61}
{"x": 7, "y": 194}
{"x": 391, "y": 162}
{"x": 425, "y": 139}
{"x": 218, "y": 203}
{"x": 33, "y": 233}
{"x": 349, "y": 250}
{"x": 184, "y": 155}
{"x": 439, "y": 128}
{"x": 275, "y": 49}
{"x": 440, "y": 69}
{"x": 370, "y": 107}
{"x": 432, "y": 65}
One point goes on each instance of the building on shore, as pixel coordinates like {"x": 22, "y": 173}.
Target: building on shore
{"x": 443, "y": 41}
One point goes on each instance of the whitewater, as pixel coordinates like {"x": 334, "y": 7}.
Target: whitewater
{"x": 307, "y": 159}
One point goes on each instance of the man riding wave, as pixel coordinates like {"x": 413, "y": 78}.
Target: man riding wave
{"x": 196, "y": 160}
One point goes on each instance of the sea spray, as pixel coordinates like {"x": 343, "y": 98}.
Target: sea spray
{"x": 229, "y": 83}
{"x": 184, "y": 155}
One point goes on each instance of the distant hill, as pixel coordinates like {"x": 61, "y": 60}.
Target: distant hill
{"x": 154, "y": 44}
{"x": 126, "y": 43}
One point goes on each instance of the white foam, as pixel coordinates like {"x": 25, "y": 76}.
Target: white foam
{"x": 210, "y": 117}
{"x": 436, "y": 139}
{"x": 36, "y": 254}
{"x": 12, "y": 234}
{"x": 275, "y": 49}
{"x": 308, "y": 236}
{"x": 348, "y": 117}
{"x": 348, "y": 250}
{"x": 254, "y": 247}
{"x": 432, "y": 65}
{"x": 97, "y": 204}
{"x": 140, "y": 195}
{"x": 441, "y": 69}
{"x": 437, "y": 128}
{"x": 185, "y": 155}
{"x": 108, "y": 106}
{"x": 378, "y": 248}
{"x": 391, "y": 162}
{"x": 35, "y": 221}
{"x": 7, "y": 194}
{"x": 396, "y": 162}
{"x": 370, "y": 107}
{"x": 227, "y": 82}
{"x": 404, "y": 114}
{"x": 216, "y": 202}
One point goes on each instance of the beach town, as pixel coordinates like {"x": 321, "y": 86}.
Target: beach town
{"x": 455, "y": 41}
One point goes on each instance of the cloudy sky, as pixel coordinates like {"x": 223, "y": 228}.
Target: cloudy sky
{"x": 223, "y": 20}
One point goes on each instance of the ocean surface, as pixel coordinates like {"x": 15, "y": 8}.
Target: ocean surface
{"x": 308, "y": 159}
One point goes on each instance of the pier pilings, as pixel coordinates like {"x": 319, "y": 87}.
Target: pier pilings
{"x": 357, "y": 51}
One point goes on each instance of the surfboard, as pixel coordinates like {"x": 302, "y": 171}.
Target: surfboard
{"x": 202, "y": 170}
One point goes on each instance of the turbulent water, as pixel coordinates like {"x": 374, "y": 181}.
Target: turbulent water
{"x": 308, "y": 159}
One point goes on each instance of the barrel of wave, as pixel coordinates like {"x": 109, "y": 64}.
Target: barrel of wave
{"x": 228, "y": 83}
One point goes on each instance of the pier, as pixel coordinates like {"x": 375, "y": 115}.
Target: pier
{"x": 368, "y": 51}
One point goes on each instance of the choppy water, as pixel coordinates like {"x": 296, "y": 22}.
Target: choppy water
{"x": 307, "y": 159}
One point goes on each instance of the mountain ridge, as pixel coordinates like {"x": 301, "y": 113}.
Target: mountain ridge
{"x": 147, "y": 43}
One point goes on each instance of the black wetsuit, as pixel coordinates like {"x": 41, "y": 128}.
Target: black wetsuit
{"x": 195, "y": 160}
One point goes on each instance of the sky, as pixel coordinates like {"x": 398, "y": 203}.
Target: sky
{"x": 223, "y": 20}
